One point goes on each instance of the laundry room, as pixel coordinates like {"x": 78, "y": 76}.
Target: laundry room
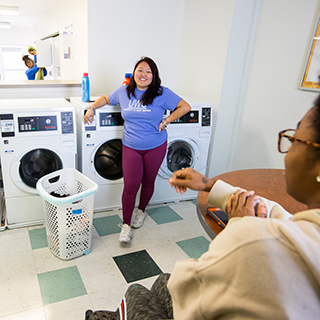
{"x": 239, "y": 75}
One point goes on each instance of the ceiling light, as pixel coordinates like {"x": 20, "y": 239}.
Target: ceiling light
{"x": 9, "y": 10}
{"x": 5, "y": 25}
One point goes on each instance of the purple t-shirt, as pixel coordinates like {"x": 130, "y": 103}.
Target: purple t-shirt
{"x": 141, "y": 123}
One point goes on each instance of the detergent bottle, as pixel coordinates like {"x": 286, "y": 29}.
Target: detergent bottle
{"x": 85, "y": 97}
{"x": 126, "y": 79}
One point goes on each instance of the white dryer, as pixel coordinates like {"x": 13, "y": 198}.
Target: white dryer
{"x": 38, "y": 136}
{"x": 189, "y": 139}
{"x": 100, "y": 152}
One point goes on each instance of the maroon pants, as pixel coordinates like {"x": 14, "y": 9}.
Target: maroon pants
{"x": 140, "y": 167}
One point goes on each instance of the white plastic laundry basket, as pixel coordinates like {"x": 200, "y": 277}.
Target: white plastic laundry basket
{"x": 68, "y": 213}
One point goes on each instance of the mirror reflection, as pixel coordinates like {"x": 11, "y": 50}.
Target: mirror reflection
{"x": 17, "y": 62}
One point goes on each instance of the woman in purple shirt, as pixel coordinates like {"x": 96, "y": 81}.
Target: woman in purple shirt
{"x": 143, "y": 104}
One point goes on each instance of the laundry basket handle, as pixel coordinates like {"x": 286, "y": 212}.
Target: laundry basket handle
{"x": 54, "y": 177}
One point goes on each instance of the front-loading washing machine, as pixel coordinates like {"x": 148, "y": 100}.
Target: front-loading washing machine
{"x": 100, "y": 152}
{"x": 38, "y": 136}
{"x": 189, "y": 139}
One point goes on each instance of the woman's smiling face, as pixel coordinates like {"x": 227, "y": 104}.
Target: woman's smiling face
{"x": 143, "y": 76}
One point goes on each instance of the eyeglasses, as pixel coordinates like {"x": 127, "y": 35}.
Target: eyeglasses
{"x": 284, "y": 144}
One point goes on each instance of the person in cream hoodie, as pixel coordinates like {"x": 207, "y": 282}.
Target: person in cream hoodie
{"x": 258, "y": 268}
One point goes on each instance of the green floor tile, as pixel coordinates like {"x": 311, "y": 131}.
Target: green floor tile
{"x": 61, "y": 285}
{"x": 163, "y": 215}
{"x": 107, "y": 225}
{"x": 194, "y": 247}
{"x": 38, "y": 238}
{"x": 137, "y": 266}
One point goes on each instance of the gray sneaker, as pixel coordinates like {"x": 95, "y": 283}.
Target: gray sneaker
{"x": 138, "y": 218}
{"x": 125, "y": 234}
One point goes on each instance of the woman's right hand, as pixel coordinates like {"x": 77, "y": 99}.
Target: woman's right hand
{"x": 88, "y": 117}
{"x": 190, "y": 178}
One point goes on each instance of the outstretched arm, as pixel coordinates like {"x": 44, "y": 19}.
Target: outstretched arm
{"x": 192, "y": 179}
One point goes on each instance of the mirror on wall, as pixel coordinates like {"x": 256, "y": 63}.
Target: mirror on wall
{"x": 14, "y": 68}
{"x": 19, "y": 35}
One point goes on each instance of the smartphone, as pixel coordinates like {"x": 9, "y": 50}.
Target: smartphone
{"x": 218, "y": 215}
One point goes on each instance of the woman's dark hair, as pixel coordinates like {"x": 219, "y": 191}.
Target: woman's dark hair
{"x": 154, "y": 88}
{"x": 316, "y": 119}
{"x": 26, "y": 59}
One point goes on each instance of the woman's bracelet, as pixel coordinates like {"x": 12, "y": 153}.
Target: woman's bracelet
{"x": 91, "y": 107}
{"x": 165, "y": 124}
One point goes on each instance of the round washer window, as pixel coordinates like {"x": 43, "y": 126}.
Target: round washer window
{"x": 179, "y": 155}
{"x": 108, "y": 160}
{"x": 37, "y": 163}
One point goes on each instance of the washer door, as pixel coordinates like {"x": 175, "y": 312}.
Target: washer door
{"x": 108, "y": 160}
{"x": 36, "y": 164}
{"x": 180, "y": 154}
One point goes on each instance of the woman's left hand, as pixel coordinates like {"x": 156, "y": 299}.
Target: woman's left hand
{"x": 241, "y": 204}
{"x": 161, "y": 126}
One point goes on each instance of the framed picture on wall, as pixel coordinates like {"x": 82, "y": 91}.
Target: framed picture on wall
{"x": 310, "y": 79}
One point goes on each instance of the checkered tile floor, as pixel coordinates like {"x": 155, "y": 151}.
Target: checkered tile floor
{"x": 37, "y": 285}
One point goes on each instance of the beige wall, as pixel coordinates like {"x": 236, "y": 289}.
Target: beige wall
{"x": 271, "y": 98}
{"x": 121, "y": 32}
{"x": 204, "y": 44}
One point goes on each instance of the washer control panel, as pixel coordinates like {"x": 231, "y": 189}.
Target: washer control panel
{"x": 206, "y": 117}
{"x": 67, "y": 122}
{"x": 7, "y": 125}
{"x": 190, "y": 117}
{"x": 108, "y": 119}
{"x": 193, "y": 117}
{"x": 27, "y": 124}
{"x": 43, "y": 123}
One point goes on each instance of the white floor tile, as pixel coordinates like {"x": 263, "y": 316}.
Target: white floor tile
{"x": 195, "y": 223}
{"x": 152, "y": 237}
{"x": 46, "y": 261}
{"x": 100, "y": 274}
{"x": 20, "y": 289}
{"x": 31, "y": 314}
{"x": 107, "y": 213}
{"x": 108, "y": 299}
{"x": 180, "y": 230}
{"x": 71, "y": 309}
{"x": 185, "y": 209}
{"x": 16, "y": 266}
{"x": 14, "y": 240}
{"x": 166, "y": 256}
{"x": 116, "y": 248}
